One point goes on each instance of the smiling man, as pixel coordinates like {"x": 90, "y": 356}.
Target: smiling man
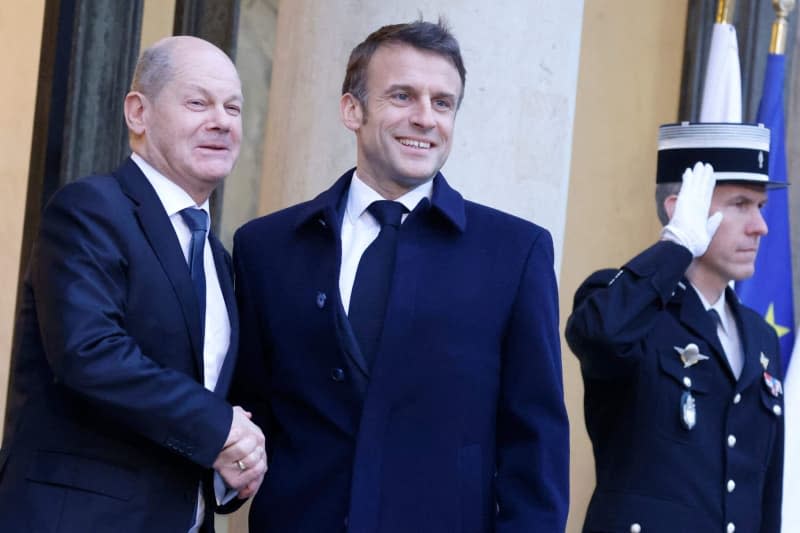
{"x": 125, "y": 344}
{"x": 400, "y": 344}
{"x": 683, "y": 397}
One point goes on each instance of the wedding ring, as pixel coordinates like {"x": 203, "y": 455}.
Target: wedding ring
{"x": 241, "y": 465}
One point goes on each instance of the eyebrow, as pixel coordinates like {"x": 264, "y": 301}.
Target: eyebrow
{"x": 235, "y": 97}
{"x": 411, "y": 89}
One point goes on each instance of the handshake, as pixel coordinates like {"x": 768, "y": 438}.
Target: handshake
{"x": 242, "y": 462}
{"x": 690, "y": 224}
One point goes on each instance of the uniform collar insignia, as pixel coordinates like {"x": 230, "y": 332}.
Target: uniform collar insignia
{"x": 764, "y": 360}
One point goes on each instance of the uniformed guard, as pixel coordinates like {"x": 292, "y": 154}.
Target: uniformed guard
{"x": 683, "y": 398}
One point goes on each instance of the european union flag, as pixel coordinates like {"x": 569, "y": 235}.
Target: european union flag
{"x": 769, "y": 291}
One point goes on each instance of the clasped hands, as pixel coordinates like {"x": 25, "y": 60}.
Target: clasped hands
{"x": 242, "y": 462}
{"x": 690, "y": 225}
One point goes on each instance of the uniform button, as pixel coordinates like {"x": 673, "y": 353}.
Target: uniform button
{"x": 337, "y": 374}
{"x": 777, "y": 410}
{"x": 687, "y": 381}
{"x": 731, "y": 485}
{"x": 737, "y": 398}
{"x": 321, "y": 297}
{"x": 731, "y": 527}
{"x": 636, "y": 528}
{"x": 731, "y": 441}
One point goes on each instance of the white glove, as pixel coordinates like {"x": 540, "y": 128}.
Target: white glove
{"x": 690, "y": 225}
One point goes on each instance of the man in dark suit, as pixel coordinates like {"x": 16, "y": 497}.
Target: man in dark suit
{"x": 683, "y": 398}
{"x": 124, "y": 348}
{"x": 406, "y": 372}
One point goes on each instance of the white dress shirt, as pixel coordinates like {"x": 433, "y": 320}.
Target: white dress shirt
{"x": 360, "y": 228}
{"x": 727, "y": 331}
{"x": 217, "y": 336}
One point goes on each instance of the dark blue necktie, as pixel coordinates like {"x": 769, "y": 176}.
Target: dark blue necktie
{"x": 197, "y": 220}
{"x": 374, "y": 278}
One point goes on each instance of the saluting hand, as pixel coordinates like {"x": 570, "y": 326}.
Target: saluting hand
{"x": 690, "y": 225}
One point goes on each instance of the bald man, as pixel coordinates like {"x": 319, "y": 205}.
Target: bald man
{"x": 125, "y": 343}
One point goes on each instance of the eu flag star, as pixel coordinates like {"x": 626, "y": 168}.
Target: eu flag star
{"x": 770, "y": 319}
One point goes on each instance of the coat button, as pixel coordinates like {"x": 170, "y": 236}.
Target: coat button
{"x": 731, "y": 485}
{"x": 731, "y": 441}
{"x": 737, "y": 398}
{"x": 777, "y": 410}
{"x": 687, "y": 381}
{"x": 337, "y": 374}
{"x": 636, "y": 528}
{"x": 321, "y": 298}
{"x": 731, "y": 527}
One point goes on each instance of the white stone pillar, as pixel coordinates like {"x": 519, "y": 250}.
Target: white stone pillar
{"x": 513, "y": 133}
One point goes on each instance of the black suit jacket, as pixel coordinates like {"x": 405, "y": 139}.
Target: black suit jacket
{"x": 109, "y": 426}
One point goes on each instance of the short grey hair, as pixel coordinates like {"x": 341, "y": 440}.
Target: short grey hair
{"x": 664, "y": 191}
{"x": 154, "y": 69}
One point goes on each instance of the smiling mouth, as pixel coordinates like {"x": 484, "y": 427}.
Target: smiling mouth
{"x": 213, "y": 147}
{"x": 412, "y": 143}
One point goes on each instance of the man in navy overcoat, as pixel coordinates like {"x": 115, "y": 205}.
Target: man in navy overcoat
{"x": 683, "y": 397}
{"x": 447, "y": 417}
{"x": 123, "y": 354}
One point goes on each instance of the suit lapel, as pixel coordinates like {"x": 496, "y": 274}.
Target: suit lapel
{"x": 749, "y": 342}
{"x": 696, "y": 319}
{"x": 159, "y": 232}
{"x": 225, "y": 276}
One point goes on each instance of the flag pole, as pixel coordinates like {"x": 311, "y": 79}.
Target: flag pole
{"x": 777, "y": 43}
{"x": 725, "y": 10}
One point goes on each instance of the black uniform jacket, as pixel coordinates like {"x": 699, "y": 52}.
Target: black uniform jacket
{"x": 656, "y": 472}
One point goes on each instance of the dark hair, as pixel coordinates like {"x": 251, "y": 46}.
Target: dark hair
{"x": 419, "y": 34}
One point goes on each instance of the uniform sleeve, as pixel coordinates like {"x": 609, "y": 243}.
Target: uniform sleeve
{"x": 613, "y": 312}
{"x": 532, "y": 429}
{"x": 80, "y": 280}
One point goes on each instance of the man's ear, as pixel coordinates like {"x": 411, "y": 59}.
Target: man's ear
{"x": 134, "y": 108}
{"x": 669, "y": 204}
{"x": 351, "y": 112}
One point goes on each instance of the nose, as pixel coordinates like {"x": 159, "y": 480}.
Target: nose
{"x": 221, "y": 119}
{"x": 758, "y": 226}
{"x": 423, "y": 116}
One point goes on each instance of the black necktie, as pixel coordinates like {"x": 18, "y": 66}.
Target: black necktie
{"x": 197, "y": 220}
{"x": 373, "y": 278}
{"x": 715, "y": 318}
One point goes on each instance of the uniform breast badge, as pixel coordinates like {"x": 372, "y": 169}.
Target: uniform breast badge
{"x": 690, "y": 355}
{"x": 688, "y": 410}
{"x": 773, "y": 384}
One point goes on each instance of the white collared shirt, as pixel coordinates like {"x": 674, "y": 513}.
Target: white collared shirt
{"x": 727, "y": 331}
{"x": 217, "y": 336}
{"x": 359, "y": 227}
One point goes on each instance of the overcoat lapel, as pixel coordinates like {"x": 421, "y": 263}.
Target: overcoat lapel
{"x": 225, "y": 276}
{"x": 324, "y": 214}
{"x": 159, "y": 232}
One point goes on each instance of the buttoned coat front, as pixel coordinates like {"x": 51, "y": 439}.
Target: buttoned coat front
{"x": 460, "y": 424}
{"x": 654, "y": 472}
